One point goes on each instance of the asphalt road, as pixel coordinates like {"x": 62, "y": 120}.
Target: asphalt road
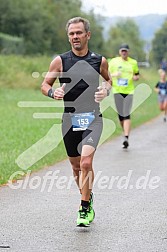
{"x": 130, "y": 201}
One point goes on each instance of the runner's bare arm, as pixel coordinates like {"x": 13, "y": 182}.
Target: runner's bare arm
{"x": 104, "y": 90}
{"x": 105, "y": 74}
{"x": 54, "y": 71}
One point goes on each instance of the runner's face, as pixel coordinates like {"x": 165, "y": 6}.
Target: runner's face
{"x": 124, "y": 54}
{"x": 78, "y": 37}
{"x": 163, "y": 75}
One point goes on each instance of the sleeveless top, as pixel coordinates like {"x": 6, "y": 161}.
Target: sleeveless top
{"x": 81, "y": 75}
{"x": 162, "y": 87}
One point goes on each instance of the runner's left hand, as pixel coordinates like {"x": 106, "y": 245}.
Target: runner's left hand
{"x": 100, "y": 94}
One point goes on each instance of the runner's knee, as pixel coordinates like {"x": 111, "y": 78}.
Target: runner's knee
{"x": 86, "y": 164}
{"x": 75, "y": 165}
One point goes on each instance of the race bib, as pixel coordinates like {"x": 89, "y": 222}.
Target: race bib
{"x": 82, "y": 121}
{"x": 163, "y": 91}
{"x": 122, "y": 82}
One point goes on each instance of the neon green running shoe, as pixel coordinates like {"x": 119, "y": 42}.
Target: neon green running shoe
{"x": 91, "y": 212}
{"x": 83, "y": 220}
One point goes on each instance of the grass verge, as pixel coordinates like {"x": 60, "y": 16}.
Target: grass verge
{"x": 20, "y": 131}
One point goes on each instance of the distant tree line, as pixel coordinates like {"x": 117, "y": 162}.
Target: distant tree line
{"x": 38, "y": 27}
{"x": 159, "y": 44}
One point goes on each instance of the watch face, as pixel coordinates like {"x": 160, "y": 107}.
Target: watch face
{"x": 108, "y": 92}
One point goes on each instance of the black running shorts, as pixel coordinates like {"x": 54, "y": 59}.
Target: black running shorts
{"x": 123, "y": 104}
{"x": 74, "y": 140}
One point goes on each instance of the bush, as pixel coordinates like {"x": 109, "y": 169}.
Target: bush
{"x": 11, "y": 44}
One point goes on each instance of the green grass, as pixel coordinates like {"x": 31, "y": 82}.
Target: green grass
{"x": 16, "y": 71}
{"x": 19, "y": 130}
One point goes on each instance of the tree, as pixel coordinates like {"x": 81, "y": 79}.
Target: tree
{"x": 41, "y": 24}
{"x": 28, "y": 20}
{"x": 125, "y": 31}
{"x": 159, "y": 44}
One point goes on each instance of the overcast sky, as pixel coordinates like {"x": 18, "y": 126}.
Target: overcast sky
{"x": 126, "y": 7}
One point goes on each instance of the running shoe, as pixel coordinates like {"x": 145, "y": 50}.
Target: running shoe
{"x": 91, "y": 212}
{"x": 125, "y": 143}
{"x": 83, "y": 220}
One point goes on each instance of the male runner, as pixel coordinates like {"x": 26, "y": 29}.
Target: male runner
{"x": 124, "y": 70}
{"x": 78, "y": 71}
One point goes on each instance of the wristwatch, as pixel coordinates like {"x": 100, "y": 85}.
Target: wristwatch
{"x": 51, "y": 93}
{"x": 108, "y": 91}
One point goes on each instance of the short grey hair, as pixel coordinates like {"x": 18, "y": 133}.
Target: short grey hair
{"x": 76, "y": 20}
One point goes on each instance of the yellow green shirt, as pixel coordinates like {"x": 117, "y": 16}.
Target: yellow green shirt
{"x": 127, "y": 68}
